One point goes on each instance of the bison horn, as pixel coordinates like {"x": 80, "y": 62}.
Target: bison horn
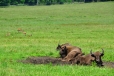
{"x": 91, "y": 52}
{"x": 102, "y": 51}
{"x": 59, "y": 45}
{"x": 59, "y": 42}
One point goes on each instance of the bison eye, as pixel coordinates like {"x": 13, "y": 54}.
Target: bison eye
{"x": 92, "y": 55}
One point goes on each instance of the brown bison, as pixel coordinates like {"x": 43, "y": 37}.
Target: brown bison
{"x": 63, "y": 52}
{"x": 59, "y": 47}
{"x": 68, "y": 51}
{"x": 62, "y": 49}
{"x": 71, "y": 52}
{"x": 89, "y": 58}
{"x": 97, "y": 55}
{"x": 83, "y": 59}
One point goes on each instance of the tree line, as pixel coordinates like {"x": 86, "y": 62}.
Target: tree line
{"x": 42, "y": 2}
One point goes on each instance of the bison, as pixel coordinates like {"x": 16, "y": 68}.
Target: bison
{"x": 89, "y": 58}
{"x": 59, "y": 47}
{"x": 83, "y": 59}
{"x": 70, "y": 52}
{"x": 62, "y": 49}
{"x": 97, "y": 55}
{"x": 63, "y": 52}
{"x": 67, "y": 51}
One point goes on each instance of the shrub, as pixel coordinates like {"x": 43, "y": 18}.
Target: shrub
{"x": 13, "y": 2}
{"x": 31, "y": 2}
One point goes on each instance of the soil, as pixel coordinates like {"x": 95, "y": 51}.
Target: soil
{"x": 108, "y": 64}
{"x": 55, "y": 61}
{"x": 44, "y": 60}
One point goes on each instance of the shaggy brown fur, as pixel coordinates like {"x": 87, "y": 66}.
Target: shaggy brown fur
{"x": 87, "y": 59}
{"x": 63, "y": 53}
{"x": 83, "y": 59}
{"x": 97, "y": 55}
{"x": 68, "y": 51}
{"x": 59, "y": 47}
{"x": 72, "y": 52}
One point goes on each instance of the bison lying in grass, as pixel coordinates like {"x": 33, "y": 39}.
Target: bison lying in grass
{"x": 97, "y": 55}
{"x": 83, "y": 59}
{"x": 67, "y": 51}
{"x": 75, "y": 55}
{"x": 61, "y": 49}
{"x": 89, "y": 58}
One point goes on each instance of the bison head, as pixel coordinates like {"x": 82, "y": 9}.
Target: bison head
{"x": 63, "y": 52}
{"x": 97, "y": 55}
{"x": 58, "y": 47}
{"x": 62, "y": 45}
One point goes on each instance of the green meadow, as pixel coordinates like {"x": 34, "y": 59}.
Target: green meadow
{"x": 86, "y": 25}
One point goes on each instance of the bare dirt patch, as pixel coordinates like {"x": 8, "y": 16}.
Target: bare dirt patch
{"x": 108, "y": 64}
{"x": 55, "y": 61}
{"x": 44, "y": 60}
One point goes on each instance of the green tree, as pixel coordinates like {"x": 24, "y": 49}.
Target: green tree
{"x": 21, "y": 1}
{"x": 31, "y": 2}
{"x": 4, "y": 2}
{"x": 13, "y": 2}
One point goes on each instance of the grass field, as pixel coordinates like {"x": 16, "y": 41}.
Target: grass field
{"x": 86, "y": 25}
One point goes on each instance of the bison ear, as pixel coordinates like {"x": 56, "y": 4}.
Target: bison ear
{"x": 102, "y": 54}
{"x": 65, "y": 47}
{"x": 58, "y": 47}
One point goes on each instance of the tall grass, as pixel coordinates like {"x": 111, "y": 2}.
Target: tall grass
{"x": 89, "y": 26}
